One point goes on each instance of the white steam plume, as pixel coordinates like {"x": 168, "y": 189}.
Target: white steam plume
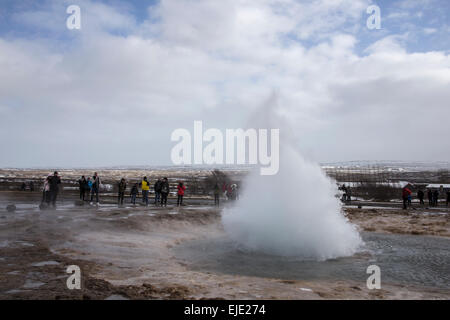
{"x": 292, "y": 213}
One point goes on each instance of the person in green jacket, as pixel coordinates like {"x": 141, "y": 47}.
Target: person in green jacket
{"x": 216, "y": 195}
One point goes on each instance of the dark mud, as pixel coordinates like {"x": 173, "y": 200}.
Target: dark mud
{"x": 182, "y": 253}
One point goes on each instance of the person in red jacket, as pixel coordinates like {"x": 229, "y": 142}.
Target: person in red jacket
{"x": 405, "y": 193}
{"x": 181, "y": 189}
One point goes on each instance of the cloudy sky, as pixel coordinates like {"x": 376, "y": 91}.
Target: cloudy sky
{"x": 113, "y": 92}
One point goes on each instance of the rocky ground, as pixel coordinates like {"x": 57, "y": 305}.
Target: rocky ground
{"x": 418, "y": 221}
{"x": 127, "y": 253}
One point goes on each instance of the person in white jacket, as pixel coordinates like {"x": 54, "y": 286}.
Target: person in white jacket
{"x": 46, "y": 190}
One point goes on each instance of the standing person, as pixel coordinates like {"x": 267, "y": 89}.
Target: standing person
{"x": 349, "y": 194}
{"x": 54, "y": 183}
{"x": 23, "y": 187}
{"x": 31, "y": 186}
{"x": 122, "y": 188}
{"x": 435, "y": 197}
{"x": 165, "y": 189}
{"x": 345, "y": 195}
{"x": 157, "y": 187}
{"x": 134, "y": 192}
{"x": 448, "y": 197}
{"x": 216, "y": 195}
{"x": 145, "y": 186}
{"x": 46, "y": 191}
{"x": 225, "y": 190}
{"x": 405, "y": 193}
{"x": 82, "y": 185}
{"x": 430, "y": 197}
{"x": 181, "y": 189}
{"x": 230, "y": 192}
{"x": 233, "y": 192}
{"x": 88, "y": 185}
{"x": 420, "y": 195}
{"x": 95, "y": 187}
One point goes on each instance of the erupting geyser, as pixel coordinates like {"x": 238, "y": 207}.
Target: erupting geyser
{"x": 292, "y": 213}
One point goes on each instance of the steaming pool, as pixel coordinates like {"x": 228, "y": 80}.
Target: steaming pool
{"x": 403, "y": 259}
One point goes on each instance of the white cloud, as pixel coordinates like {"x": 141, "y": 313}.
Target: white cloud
{"x": 109, "y": 99}
{"x": 429, "y": 30}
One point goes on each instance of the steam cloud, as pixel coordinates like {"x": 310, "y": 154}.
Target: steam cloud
{"x": 292, "y": 213}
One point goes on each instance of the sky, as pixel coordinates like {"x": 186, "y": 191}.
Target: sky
{"x": 111, "y": 93}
